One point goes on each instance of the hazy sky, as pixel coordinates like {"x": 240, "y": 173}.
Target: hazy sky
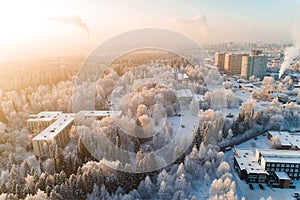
{"x": 39, "y": 28}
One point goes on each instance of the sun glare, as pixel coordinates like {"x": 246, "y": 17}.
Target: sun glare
{"x": 21, "y": 20}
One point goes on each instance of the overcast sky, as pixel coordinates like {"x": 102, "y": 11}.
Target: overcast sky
{"x": 52, "y": 27}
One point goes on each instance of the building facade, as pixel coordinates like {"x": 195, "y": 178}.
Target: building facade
{"x": 287, "y": 161}
{"x": 278, "y": 166}
{"x": 219, "y": 60}
{"x": 42, "y": 120}
{"x": 56, "y": 133}
{"x": 248, "y": 167}
{"x": 54, "y": 127}
{"x": 254, "y": 65}
{"x": 233, "y": 63}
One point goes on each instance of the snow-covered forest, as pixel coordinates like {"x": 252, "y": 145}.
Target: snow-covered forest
{"x": 88, "y": 169}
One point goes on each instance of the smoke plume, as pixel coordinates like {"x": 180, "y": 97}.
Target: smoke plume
{"x": 74, "y": 20}
{"x": 292, "y": 52}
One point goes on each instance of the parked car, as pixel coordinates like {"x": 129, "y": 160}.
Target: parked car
{"x": 296, "y": 195}
{"x": 227, "y": 148}
{"x": 251, "y": 186}
{"x": 261, "y": 186}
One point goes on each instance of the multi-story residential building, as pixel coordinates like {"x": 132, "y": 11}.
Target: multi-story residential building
{"x": 57, "y": 132}
{"x": 254, "y": 65}
{"x": 255, "y": 52}
{"x": 55, "y": 127}
{"x": 219, "y": 60}
{"x": 233, "y": 63}
{"x": 41, "y": 120}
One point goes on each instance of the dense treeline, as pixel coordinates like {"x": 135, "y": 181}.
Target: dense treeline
{"x": 147, "y": 100}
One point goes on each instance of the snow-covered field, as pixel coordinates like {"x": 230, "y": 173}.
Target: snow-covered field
{"x": 242, "y": 188}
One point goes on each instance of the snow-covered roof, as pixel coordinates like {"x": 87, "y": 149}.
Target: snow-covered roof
{"x": 44, "y": 116}
{"x": 55, "y": 128}
{"x": 279, "y": 94}
{"x": 249, "y": 86}
{"x": 184, "y": 93}
{"x": 286, "y": 138}
{"x": 246, "y": 160}
{"x": 282, "y": 175}
{"x": 199, "y": 97}
{"x": 99, "y": 113}
{"x": 181, "y": 76}
{"x": 280, "y": 156}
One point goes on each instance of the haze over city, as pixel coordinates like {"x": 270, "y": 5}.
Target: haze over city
{"x": 45, "y": 28}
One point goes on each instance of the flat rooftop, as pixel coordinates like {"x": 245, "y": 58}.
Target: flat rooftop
{"x": 286, "y": 156}
{"x": 44, "y": 116}
{"x": 184, "y": 93}
{"x": 55, "y": 128}
{"x": 246, "y": 160}
{"x": 199, "y": 97}
{"x": 286, "y": 138}
{"x": 99, "y": 113}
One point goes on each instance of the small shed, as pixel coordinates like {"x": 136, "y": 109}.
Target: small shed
{"x": 283, "y": 179}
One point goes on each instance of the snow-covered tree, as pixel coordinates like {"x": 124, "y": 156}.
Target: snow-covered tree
{"x": 146, "y": 188}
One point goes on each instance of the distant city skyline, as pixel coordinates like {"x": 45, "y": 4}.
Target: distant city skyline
{"x": 40, "y": 28}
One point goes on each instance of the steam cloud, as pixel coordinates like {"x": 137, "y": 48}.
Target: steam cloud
{"x": 74, "y": 20}
{"x": 197, "y": 24}
{"x": 292, "y": 52}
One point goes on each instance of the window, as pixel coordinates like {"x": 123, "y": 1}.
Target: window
{"x": 273, "y": 164}
{"x": 287, "y": 169}
{"x": 292, "y": 165}
{"x": 282, "y": 164}
{"x": 268, "y": 164}
{"x": 295, "y": 174}
{"x": 296, "y": 170}
{"x": 252, "y": 176}
{"x": 277, "y": 169}
{"x": 277, "y": 165}
{"x": 262, "y": 176}
{"x": 287, "y": 165}
{"x": 296, "y": 165}
{"x": 292, "y": 170}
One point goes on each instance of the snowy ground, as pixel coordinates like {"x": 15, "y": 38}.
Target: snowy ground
{"x": 243, "y": 190}
{"x": 243, "y": 95}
